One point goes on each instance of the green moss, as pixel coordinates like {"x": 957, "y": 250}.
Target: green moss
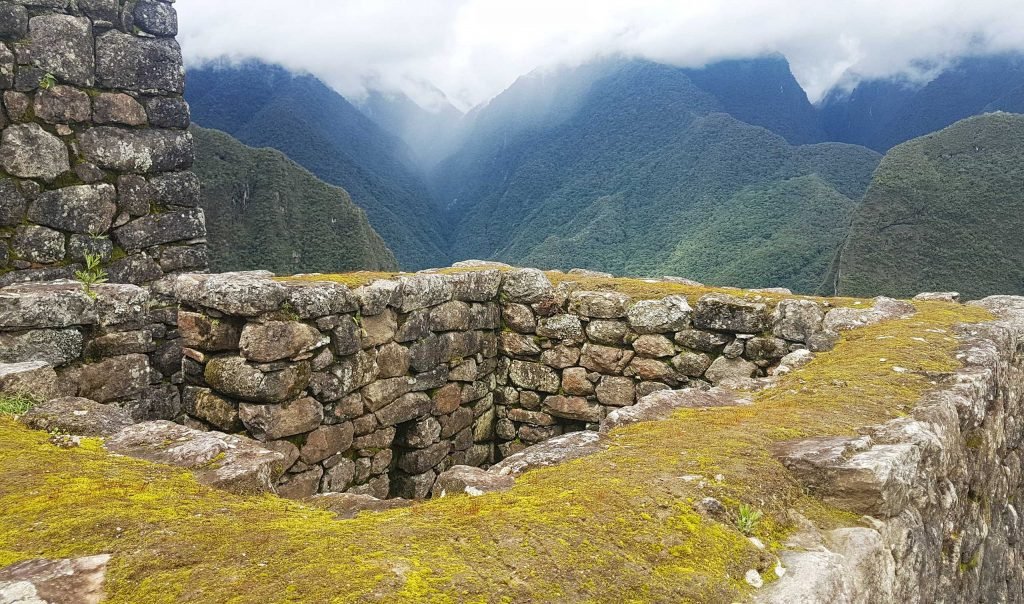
{"x": 615, "y": 526}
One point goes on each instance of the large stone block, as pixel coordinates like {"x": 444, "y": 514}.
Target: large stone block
{"x": 78, "y": 417}
{"x": 797, "y": 320}
{"x": 272, "y": 422}
{"x": 118, "y": 108}
{"x": 28, "y": 151}
{"x": 157, "y": 229}
{"x": 62, "y": 105}
{"x": 204, "y": 333}
{"x": 660, "y": 316}
{"x": 534, "y": 376}
{"x": 40, "y": 305}
{"x": 135, "y": 63}
{"x": 326, "y": 442}
{"x": 38, "y": 244}
{"x": 112, "y": 379}
{"x": 276, "y": 340}
{"x": 156, "y": 17}
{"x": 33, "y": 378}
{"x": 237, "y": 378}
{"x": 722, "y": 312}
{"x": 599, "y": 305}
{"x": 525, "y": 286}
{"x": 86, "y": 209}
{"x": 244, "y": 294}
{"x": 12, "y": 204}
{"x": 63, "y": 45}
{"x": 138, "y": 151}
{"x": 423, "y": 291}
{"x": 168, "y": 112}
{"x": 215, "y": 410}
{"x": 13, "y": 21}
{"x": 52, "y": 346}
{"x": 616, "y": 391}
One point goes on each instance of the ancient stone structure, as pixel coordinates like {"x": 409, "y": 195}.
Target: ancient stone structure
{"x": 94, "y": 146}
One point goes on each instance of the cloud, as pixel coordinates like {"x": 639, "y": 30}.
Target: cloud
{"x": 473, "y": 49}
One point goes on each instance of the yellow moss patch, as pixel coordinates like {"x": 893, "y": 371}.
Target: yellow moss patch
{"x": 618, "y": 526}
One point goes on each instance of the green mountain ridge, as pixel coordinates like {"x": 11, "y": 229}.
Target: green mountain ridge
{"x": 264, "y": 211}
{"x": 943, "y": 212}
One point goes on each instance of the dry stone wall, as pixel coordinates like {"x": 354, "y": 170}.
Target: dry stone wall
{"x": 378, "y": 390}
{"x": 94, "y": 147}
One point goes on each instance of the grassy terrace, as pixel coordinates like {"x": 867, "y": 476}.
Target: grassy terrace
{"x": 618, "y": 526}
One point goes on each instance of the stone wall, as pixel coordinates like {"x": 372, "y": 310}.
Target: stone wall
{"x": 94, "y": 147}
{"x": 379, "y": 389}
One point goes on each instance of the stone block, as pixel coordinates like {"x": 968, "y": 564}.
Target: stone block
{"x": 85, "y": 209}
{"x": 131, "y": 62}
{"x": 722, "y": 312}
{"x": 138, "y": 151}
{"x": 235, "y": 377}
{"x": 63, "y": 45}
{"x": 276, "y": 421}
{"x": 28, "y": 151}
{"x": 32, "y": 378}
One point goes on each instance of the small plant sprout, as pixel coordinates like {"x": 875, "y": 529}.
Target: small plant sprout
{"x": 48, "y": 81}
{"x": 92, "y": 275}
{"x": 748, "y": 519}
{"x": 15, "y": 404}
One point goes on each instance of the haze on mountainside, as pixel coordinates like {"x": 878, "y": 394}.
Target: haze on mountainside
{"x": 629, "y": 153}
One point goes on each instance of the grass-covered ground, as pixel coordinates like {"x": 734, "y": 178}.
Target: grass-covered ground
{"x": 618, "y": 526}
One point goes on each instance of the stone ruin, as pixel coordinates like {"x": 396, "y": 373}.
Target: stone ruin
{"x": 425, "y": 384}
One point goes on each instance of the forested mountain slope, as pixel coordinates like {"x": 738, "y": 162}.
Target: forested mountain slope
{"x": 943, "y": 212}
{"x": 264, "y": 211}
{"x": 266, "y": 106}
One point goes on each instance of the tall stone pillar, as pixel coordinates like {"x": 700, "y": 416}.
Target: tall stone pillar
{"x": 94, "y": 148}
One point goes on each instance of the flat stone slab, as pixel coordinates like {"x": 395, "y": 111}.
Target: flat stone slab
{"x": 349, "y": 505}
{"x": 68, "y": 581}
{"x": 34, "y": 378}
{"x": 77, "y": 417}
{"x": 223, "y": 461}
{"x": 470, "y": 481}
{"x": 552, "y": 452}
{"x": 662, "y": 404}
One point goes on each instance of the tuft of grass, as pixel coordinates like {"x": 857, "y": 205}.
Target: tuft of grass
{"x": 15, "y": 404}
{"x": 747, "y": 519}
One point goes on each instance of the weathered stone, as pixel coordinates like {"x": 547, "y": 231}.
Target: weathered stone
{"x": 217, "y": 411}
{"x": 81, "y": 246}
{"x": 77, "y": 416}
{"x": 100, "y": 10}
{"x": 12, "y": 203}
{"x": 599, "y": 305}
{"x": 352, "y": 373}
{"x": 237, "y": 378}
{"x": 28, "y": 151}
{"x": 884, "y": 309}
{"x": 137, "y": 269}
{"x": 447, "y": 399}
{"x": 450, "y": 316}
{"x": 766, "y": 349}
{"x": 393, "y": 360}
{"x": 168, "y": 112}
{"x": 702, "y": 341}
{"x": 120, "y": 343}
{"x": 62, "y": 105}
{"x": 272, "y": 422}
{"x": 219, "y": 460}
{"x": 422, "y": 460}
{"x": 534, "y": 376}
{"x": 797, "y": 320}
{"x": 650, "y": 369}
{"x": 176, "y": 189}
{"x": 730, "y": 369}
{"x": 611, "y": 333}
{"x": 518, "y": 345}
{"x": 54, "y": 347}
{"x": 734, "y": 349}
{"x": 519, "y": 318}
{"x": 483, "y": 426}
{"x": 424, "y": 291}
{"x": 566, "y": 328}
{"x": 38, "y": 244}
{"x": 156, "y": 17}
{"x": 950, "y": 297}
{"x": 86, "y": 209}
{"x": 325, "y": 442}
{"x": 301, "y": 485}
{"x": 475, "y": 286}
{"x": 348, "y": 505}
{"x": 793, "y": 361}
{"x": 111, "y": 379}
{"x": 556, "y": 451}
{"x": 157, "y": 229}
{"x": 575, "y": 382}
{"x": 13, "y": 21}
{"x": 139, "y": 151}
{"x": 244, "y": 294}
{"x": 406, "y": 408}
{"x": 136, "y": 63}
{"x": 183, "y": 257}
{"x": 604, "y": 359}
{"x": 276, "y": 340}
{"x": 656, "y": 346}
{"x": 470, "y": 481}
{"x": 379, "y": 439}
{"x": 615, "y": 391}
{"x": 66, "y": 581}
{"x": 377, "y": 296}
{"x": 671, "y": 313}
{"x": 573, "y": 407}
{"x": 691, "y": 364}
{"x": 379, "y": 329}
{"x": 722, "y": 312}
{"x": 525, "y": 286}
{"x": 383, "y": 391}
{"x": 560, "y": 357}
{"x": 662, "y": 404}
{"x": 63, "y": 45}
{"x": 312, "y": 300}
{"x": 18, "y": 105}
{"x": 33, "y": 378}
{"x": 417, "y": 486}
{"x": 204, "y": 333}
{"x": 420, "y": 434}
{"x": 645, "y": 388}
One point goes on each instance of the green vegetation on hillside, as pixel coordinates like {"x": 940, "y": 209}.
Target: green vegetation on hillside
{"x": 264, "y": 211}
{"x": 618, "y": 526}
{"x": 944, "y": 212}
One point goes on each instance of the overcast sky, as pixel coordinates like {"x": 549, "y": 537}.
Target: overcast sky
{"x": 473, "y": 49}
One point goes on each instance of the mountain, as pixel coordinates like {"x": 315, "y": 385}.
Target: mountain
{"x": 267, "y": 106}
{"x": 431, "y": 134}
{"x": 639, "y": 168}
{"x": 883, "y": 113}
{"x": 264, "y": 211}
{"x": 943, "y": 212}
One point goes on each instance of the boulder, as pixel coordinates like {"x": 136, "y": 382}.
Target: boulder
{"x": 599, "y": 305}
{"x": 276, "y": 340}
{"x": 662, "y": 404}
{"x": 555, "y": 451}
{"x": 525, "y": 286}
{"x": 471, "y": 481}
{"x": 951, "y": 297}
{"x": 36, "y": 379}
{"x": 66, "y": 581}
{"x": 450, "y": 316}
{"x": 793, "y": 361}
{"x": 616, "y": 391}
{"x": 77, "y": 417}
{"x": 604, "y": 359}
{"x": 139, "y": 151}
{"x": 610, "y": 333}
{"x": 219, "y": 460}
{"x": 237, "y": 378}
{"x": 272, "y": 422}
{"x": 326, "y": 442}
{"x": 691, "y": 364}
{"x": 424, "y": 291}
{"x": 722, "y": 312}
{"x": 56, "y": 347}
{"x": 575, "y": 382}
{"x": 112, "y": 379}
{"x": 475, "y": 286}
{"x": 660, "y": 316}
{"x": 702, "y": 341}
{"x": 519, "y": 318}
{"x": 655, "y": 346}
{"x": 377, "y": 296}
